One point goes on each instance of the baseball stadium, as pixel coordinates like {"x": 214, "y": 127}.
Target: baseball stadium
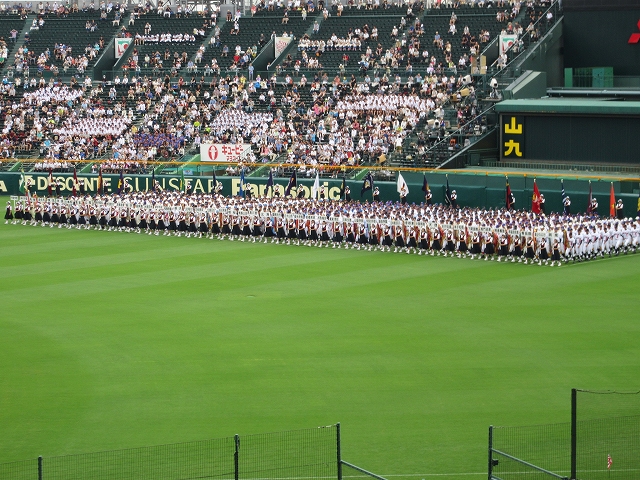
{"x": 400, "y": 240}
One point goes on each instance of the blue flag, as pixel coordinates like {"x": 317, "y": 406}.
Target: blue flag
{"x": 153, "y": 180}
{"x": 270, "y": 184}
{"x": 242, "y": 183}
{"x": 425, "y": 184}
{"x": 447, "y": 194}
{"x": 293, "y": 182}
{"x": 367, "y": 184}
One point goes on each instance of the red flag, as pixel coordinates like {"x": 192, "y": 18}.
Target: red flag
{"x": 612, "y": 203}
{"x": 509, "y": 200}
{"x": 50, "y": 183}
{"x": 609, "y": 462}
{"x": 100, "y": 184}
{"x": 75, "y": 181}
{"x": 535, "y": 202}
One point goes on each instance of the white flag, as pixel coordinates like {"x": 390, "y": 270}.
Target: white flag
{"x": 403, "y": 189}
{"x": 315, "y": 190}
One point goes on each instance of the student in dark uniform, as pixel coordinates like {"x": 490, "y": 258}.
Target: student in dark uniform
{"x": 517, "y": 249}
{"x": 337, "y": 236}
{"x": 428, "y": 197}
{"x": 436, "y": 246}
{"x": 454, "y": 199}
{"x": 387, "y": 241}
{"x": 122, "y": 221}
{"x": 424, "y": 241}
{"x": 619, "y": 209}
{"x": 268, "y": 230}
{"x": 113, "y": 219}
{"x": 566, "y": 203}
{"x": 476, "y": 245}
{"x": 542, "y": 207}
{"x": 173, "y": 227}
{"x": 450, "y": 244}
{"x": 8, "y": 216}
{"x": 182, "y": 223}
{"x": 555, "y": 256}
{"x": 133, "y": 222}
{"x": 18, "y": 217}
{"x": 504, "y": 247}
{"x": 247, "y": 191}
{"x": 280, "y": 232}
{"x": 362, "y": 235}
{"x": 257, "y": 228}
{"x": 93, "y": 219}
{"x": 27, "y": 216}
{"x": 544, "y": 253}
{"x": 193, "y": 228}
{"x": 594, "y": 206}
{"x": 462, "y": 243}
{"x": 215, "y": 226}
{"x": 302, "y": 233}
{"x": 162, "y": 224}
{"x": 347, "y": 194}
{"x": 203, "y": 228}
{"x": 350, "y": 238}
{"x": 530, "y": 253}
{"x": 103, "y": 218}
{"x": 323, "y": 194}
{"x": 236, "y": 230}
{"x": 313, "y": 232}
{"x": 376, "y": 194}
{"x": 46, "y": 214}
{"x": 412, "y": 244}
{"x": 55, "y": 218}
{"x": 399, "y": 239}
{"x": 374, "y": 242}
{"x": 292, "y": 234}
{"x": 58, "y": 187}
{"x": 324, "y": 235}
{"x": 143, "y": 224}
{"x": 300, "y": 192}
{"x": 246, "y": 228}
{"x": 226, "y": 229}
{"x": 489, "y": 247}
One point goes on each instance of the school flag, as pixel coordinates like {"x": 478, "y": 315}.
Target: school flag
{"x": 241, "y": 192}
{"x": 121, "y": 182}
{"x": 425, "y": 184}
{"x": 402, "y": 187}
{"x": 509, "y": 199}
{"x": 270, "y": 185}
{"x": 22, "y": 186}
{"x": 76, "y": 185}
{"x": 215, "y": 180}
{"x": 293, "y": 182}
{"x": 612, "y": 203}
{"x": 535, "y": 201}
{"x": 100, "y": 182}
{"x": 50, "y": 183}
{"x": 638, "y": 212}
{"x": 315, "y": 190}
{"x": 367, "y": 184}
{"x": 343, "y": 188}
{"x": 447, "y": 194}
{"x": 589, "y": 209}
{"x": 182, "y": 183}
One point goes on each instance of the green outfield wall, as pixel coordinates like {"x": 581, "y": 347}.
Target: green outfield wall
{"x": 473, "y": 189}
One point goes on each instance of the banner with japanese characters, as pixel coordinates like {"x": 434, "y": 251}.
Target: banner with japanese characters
{"x": 220, "y": 152}
{"x": 512, "y": 135}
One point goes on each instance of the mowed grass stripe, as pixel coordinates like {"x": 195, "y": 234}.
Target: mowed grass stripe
{"x": 148, "y": 340}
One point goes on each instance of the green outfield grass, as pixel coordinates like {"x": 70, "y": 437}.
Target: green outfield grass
{"x": 111, "y": 340}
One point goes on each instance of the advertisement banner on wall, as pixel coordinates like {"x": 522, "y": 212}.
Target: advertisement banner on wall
{"x": 506, "y": 42}
{"x": 280, "y": 43}
{"x": 121, "y": 46}
{"x": 219, "y": 152}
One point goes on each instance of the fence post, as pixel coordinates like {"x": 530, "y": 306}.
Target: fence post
{"x": 338, "y": 454}
{"x": 490, "y": 470}
{"x": 40, "y": 467}
{"x": 236, "y": 473}
{"x": 574, "y": 430}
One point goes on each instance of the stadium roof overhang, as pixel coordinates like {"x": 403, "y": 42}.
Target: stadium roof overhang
{"x": 570, "y": 106}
